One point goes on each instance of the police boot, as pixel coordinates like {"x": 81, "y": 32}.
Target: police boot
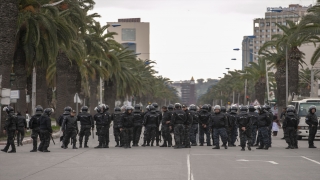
{"x": 216, "y": 147}
{"x": 129, "y": 144}
{"x": 99, "y": 146}
{"x": 194, "y": 144}
{"x": 289, "y": 146}
{"x": 144, "y": 144}
{"x": 169, "y": 143}
{"x": 106, "y": 145}
{"x": 225, "y": 146}
{"x": 249, "y": 146}
{"x": 18, "y": 142}
{"x": 117, "y": 144}
{"x": 74, "y": 146}
{"x": 65, "y": 146}
{"x": 312, "y": 146}
{"x": 256, "y": 145}
{"x": 157, "y": 143}
{"x": 242, "y": 148}
{"x": 80, "y": 144}
{"x": 21, "y": 143}
{"x": 231, "y": 145}
{"x": 260, "y": 147}
{"x": 164, "y": 144}
{"x": 86, "y": 144}
{"x": 209, "y": 144}
{"x": 45, "y": 150}
{"x": 148, "y": 143}
{"x": 152, "y": 143}
{"x": 4, "y": 150}
{"x": 201, "y": 144}
{"x": 266, "y": 147}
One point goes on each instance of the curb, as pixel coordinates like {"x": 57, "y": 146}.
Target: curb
{"x": 29, "y": 140}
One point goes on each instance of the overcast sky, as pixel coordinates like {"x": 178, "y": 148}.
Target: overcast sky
{"x": 193, "y": 37}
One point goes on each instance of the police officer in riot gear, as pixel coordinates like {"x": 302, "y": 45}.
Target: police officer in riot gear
{"x": 232, "y": 127}
{"x": 34, "y": 125}
{"x": 45, "y": 130}
{"x": 312, "y": 121}
{"x": 158, "y": 133}
{"x": 187, "y": 127}
{"x": 195, "y": 124}
{"x": 165, "y": 129}
{"x": 270, "y": 114}
{"x": 98, "y": 117}
{"x": 245, "y": 123}
{"x": 254, "y": 121}
{"x": 179, "y": 119}
{"x": 66, "y": 113}
{"x": 115, "y": 117}
{"x": 86, "y": 122}
{"x": 22, "y": 126}
{"x": 219, "y": 123}
{"x": 106, "y": 121}
{"x": 204, "y": 115}
{"x": 70, "y": 129}
{"x": 290, "y": 124}
{"x": 150, "y": 123}
{"x": 137, "y": 124}
{"x": 10, "y": 128}
{"x": 126, "y": 126}
{"x": 263, "y": 125}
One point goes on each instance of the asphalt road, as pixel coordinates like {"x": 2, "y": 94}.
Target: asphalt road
{"x": 145, "y": 163}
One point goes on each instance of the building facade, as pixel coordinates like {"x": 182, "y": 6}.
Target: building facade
{"x": 134, "y": 35}
{"x": 247, "y": 51}
{"x": 186, "y": 91}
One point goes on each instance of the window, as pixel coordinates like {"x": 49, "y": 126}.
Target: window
{"x": 262, "y": 24}
{"x": 257, "y": 47}
{"x": 262, "y": 42}
{"x": 268, "y": 17}
{"x": 256, "y": 24}
{"x": 279, "y": 30}
{"x": 262, "y": 30}
{"x": 274, "y": 30}
{"x": 268, "y": 36}
{"x": 284, "y": 23}
{"x": 257, "y": 42}
{"x": 262, "y": 36}
{"x": 267, "y": 24}
{"x": 257, "y": 30}
{"x": 128, "y": 34}
{"x": 130, "y": 46}
{"x": 273, "y": 24}
{"x": 274, "y": 16}
{"x": 280, "y": 16}
{"x": 268, "y": 30}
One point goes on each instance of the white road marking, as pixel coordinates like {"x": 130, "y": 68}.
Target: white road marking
{"x": 244, "y": 160}
{"x": 190, "y": 174}
{"x": 311, "y": 160}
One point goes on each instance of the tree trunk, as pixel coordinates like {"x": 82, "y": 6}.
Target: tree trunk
{"x": 62, "y": 64}
{"x": 110, "y": 93}
{"x": 74, "y": 83}
{"x": 93, "y": 101}
{"x": 260, "y": 89}
{"x": 41, "y": 87}
{"x": 8, "y": 29}
{"x": 29, "y": 92}
{"x": 280, "y": 77}
{"x": 293, "y": 69}
{"x": 21, "y": 78}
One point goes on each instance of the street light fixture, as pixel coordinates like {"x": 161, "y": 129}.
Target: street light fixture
{"x": 233, "y": 59}
{"x": 115, "y": 25}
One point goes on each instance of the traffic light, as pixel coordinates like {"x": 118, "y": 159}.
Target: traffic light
{"x": 247, "y": 98}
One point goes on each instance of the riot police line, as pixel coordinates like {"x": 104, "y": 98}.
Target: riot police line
{"x": 253, "y": 124}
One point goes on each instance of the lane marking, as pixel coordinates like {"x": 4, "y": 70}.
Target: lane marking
{"x": 311, "y": 160}
{"x": 190, "y": 174}
{"x": 245, "y": 160}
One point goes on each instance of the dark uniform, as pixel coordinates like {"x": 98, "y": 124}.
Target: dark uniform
{"x": 158, "y": 133}
{"x": 194, "y": 126}
{"x": 244, "y": 121}
{"x": 104, "y": 132}
{"x": 22, "y": 125}
{"x": 187, "y": 125}
{"x": 219, "y": 123}
{"x": 178, "y": 121}
{"x": 34, "y": 125}
{"x": 137, "y": 124}
{"x": 70, "y": 128}
{"x": 165, "y": 128}
{"x": 115, "y": 117}
{"x": 126, "y": 126}
{"x": 98, "y": 117}
{"x": 254, "y": 126}
{"x": 312, "y": 121}
{"x": 45, "y": 130}
{"x": 86, "y": 122}
{"x": 10, "y": 127}
{"x": 150, "y": 122}
{"x": 203, "y": 125}
{"x": 232, "y": 126}
{"x": 290, "y": 124}
{"x": 270, "y": 114}
{"x": 66, "y": 113}
{"x": 263, "y": 131}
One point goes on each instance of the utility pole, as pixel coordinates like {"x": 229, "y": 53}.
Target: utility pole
{"x": 34, "y": 83}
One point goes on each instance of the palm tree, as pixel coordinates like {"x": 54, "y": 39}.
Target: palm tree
{"x": 305, "y": 81}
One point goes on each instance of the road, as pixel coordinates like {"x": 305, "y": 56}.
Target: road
{"x": 145, "y": 163}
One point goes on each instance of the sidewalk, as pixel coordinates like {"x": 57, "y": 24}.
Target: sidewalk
{"x": 28, "y": 140}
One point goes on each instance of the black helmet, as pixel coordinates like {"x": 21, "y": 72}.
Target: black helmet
{"x": 129, "y": 108}
{"x": 267, "y": 107}
{"x": 177, "y": 106}
{"x": 155, "y": 105}
{"x": 264, "y": 107}
{"x": 98, "y": 109}
{"x": 260, "y": 109}
{"x": 137, "y": 107}
{"x": 170, "y": 107}
{"x": 151, "y": 108}
{"x": 312, "y": 107}
{"x": 39, "y": 108}
{"x": 251, "y": 108}
{"x": 104, "y": 107}
{"x": 243, "y": 108}
{"x": 205, "y": 107}
{"x": 48, "y": 111}
{"x": 209, "y": 107}
{"x": 217, "y": 107}
{"x": 117, "y": 109}
{"x": 234, "y": 108}
{"x": 84, "y": 109}
{"x": 193, "y": 107}
{"x": 68, "y": 109}
{"x": 223, "y": 109}
{"x": 8, "y": 109}
{"x": 290, "y": 108}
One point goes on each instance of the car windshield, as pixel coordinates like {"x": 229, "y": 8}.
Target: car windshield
{"x": 304, "y": 108}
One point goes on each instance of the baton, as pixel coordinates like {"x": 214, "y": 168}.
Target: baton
{"x": 52, "y": 140}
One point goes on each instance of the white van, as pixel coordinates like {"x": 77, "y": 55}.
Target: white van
{"x": 302, "y": 108}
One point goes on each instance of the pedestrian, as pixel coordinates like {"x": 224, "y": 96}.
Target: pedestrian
{"x": 219, "y": 123}
{"x": 22, "y": 126}
{"x": 115, "y": 117}
{"x": 45, "y": 130}
{"x": 244, "y": 122}
{"x": 70, "y": 129}
{"x": 10, "y": 128}
{"x": 312, "y": 121}
{"x": 165, "y": 130}
{"x": 263, "y": 128}
{"x": 204, "y": 115}
{"x": 87, "y": 124}
{"x": 194, "y": 128}
{"x": 34, "y": 125}
{"x": 179, "y": 119}
{"x": 275, "y": 125}
{"x": 290, "y": 124}
{"x": 126, "y": 126}
{"x": 150, "y": 124}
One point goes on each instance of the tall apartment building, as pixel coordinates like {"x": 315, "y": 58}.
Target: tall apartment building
{"x": 186, "y": 91}
{"x": 265, "y": 27}
{"x": 133, "y": 34}
{"x": 247, "y": 51}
